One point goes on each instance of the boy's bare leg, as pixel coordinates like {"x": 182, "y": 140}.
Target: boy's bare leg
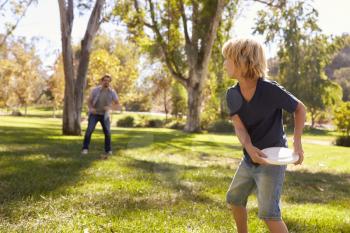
{"x": 276, "y": 226}
{"x": 240, "y": 215}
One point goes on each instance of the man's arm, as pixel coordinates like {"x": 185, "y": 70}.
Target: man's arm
{"x": 299, "y": 122}
{"x": 90, "y": 104}
{"x": 115, "y": 105}
{"x": 242, "y": 134}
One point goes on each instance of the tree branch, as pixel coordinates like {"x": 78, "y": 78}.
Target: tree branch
{"x": 209, "y": 36}
{"x": 270, "y": 3}
{"x": 137, "y": 8}
{"x": 3, "y": 4}
{"x": 184, "y": 20}
{"x": 11, "y": 29}
{"x": 174, "y": 70}
{"x": 86, "y": 43}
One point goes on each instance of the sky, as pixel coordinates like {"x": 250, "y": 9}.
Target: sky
{"x": 42, "y": 21}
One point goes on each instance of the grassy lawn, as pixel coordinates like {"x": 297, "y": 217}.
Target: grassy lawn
{"x": 158, "y": 180}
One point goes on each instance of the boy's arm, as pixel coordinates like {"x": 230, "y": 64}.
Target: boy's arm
{"x": 299, "y": 122}
{"x": 241, "y": 132}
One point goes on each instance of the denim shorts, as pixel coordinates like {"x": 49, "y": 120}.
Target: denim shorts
{"x": 268, "y": 182}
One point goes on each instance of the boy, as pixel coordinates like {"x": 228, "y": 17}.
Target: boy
{"x": 255, "y": 106}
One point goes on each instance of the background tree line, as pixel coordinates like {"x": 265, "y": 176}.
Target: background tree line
{"x": 171, "y": 59}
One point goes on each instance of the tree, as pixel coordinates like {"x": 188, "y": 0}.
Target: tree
{"x": 75, "y": 85}
{"x": 303, "y": 53}
{"x": 15, "y": 10}
{"x": 119, "y": 59}
{"x": 161, "y": 87}
{"x": 178, "y": 100}
{"x": 218, "y": 83}
{"x": 319, "y": 92}
{"x": 56, "y": 85}
{"x": 21, "y": 75}
{"x": 342, "y": 118}
{"x": 182, "y": 33}
{"x": 342, "y": 77}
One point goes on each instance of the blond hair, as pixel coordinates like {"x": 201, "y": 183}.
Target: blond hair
{"x": 248, "y": 56}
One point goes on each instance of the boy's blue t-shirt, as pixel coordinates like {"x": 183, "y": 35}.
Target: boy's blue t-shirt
{"x": 262, "y": 115}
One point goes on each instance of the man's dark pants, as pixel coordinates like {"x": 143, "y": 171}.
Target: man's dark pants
{"x": 106, "y": 126}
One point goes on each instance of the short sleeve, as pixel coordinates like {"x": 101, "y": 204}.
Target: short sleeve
{"x": 284, "y": 99}
{"x": 233, "y": 100}
{"x": 114, "y": 96}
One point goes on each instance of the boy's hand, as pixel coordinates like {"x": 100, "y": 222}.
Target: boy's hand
{"x": 256, "y": 155}
{"x": 298, "y": 149}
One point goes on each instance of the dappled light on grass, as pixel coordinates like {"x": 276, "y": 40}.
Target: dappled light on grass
{"x": 157, "y": 180}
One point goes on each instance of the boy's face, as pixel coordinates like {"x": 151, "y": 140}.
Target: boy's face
{"x": 230, "y": 67}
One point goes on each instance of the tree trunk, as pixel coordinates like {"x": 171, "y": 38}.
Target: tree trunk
{"x": 194, "y": 92}
{"x": 74, "y": 88}
{"x": 54, "y": 111}
{"x": 193, "y": 119}
{"x": 198, "y": 64}
{"x": 165, "y": 105}
{"x": 313, "y": 119}
{"x": 219, "y": 93}
{"x": 91, "y": 30}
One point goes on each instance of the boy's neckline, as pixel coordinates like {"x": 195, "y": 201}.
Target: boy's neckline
{"x": 255, "y": 91}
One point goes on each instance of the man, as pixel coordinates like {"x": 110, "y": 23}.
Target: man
{"x": 101, "y": 100}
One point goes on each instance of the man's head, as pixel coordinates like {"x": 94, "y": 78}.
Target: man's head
{"x": 245, "y": 58}
{"x": 105, "y": 80}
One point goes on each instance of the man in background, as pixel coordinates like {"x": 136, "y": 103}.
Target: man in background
{"x": 101, "y": 101}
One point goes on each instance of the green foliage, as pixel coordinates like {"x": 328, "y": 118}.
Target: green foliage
{"x": 139, "y": 102}
{"x": 215, "y": 106}
{"x": 176, "y": 124}
{"x": 155, "y": 123}
{"x": 21, "y": 75}
{"x": 127, "y": 121}
{"x": 119, "y": 59}
{"x": 159, "y": 84}
{"x": 181, "y": 35}
{"x": 178, "y": 100}
{"x": 303, "y": 54}
{"x": 343, "y": 141}
{"x": 342, "y": 77}
{"x": 221, "y": 126}
{"x": 342, "y": 118}
{"x": 56, "y": 84}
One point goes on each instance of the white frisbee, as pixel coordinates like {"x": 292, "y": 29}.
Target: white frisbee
{"x": 280, "y": 155}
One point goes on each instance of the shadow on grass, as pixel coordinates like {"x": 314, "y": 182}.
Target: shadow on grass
{"x": 319, "y": 187}
{"x": 37, "y": 161}
{"x": 169, "y": 176}
{"x": 307, "y": 225}
{"x": 303, "y": 226}
{"x": 32, "y": 164}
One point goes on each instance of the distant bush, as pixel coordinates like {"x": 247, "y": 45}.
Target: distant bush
{"x": 127, "y": 121}
{"x": 343, "y": 141}
{"x": 176, "y": 124}
{"x": 154, "y": 123}
{"x": 221, "y": 126}
{"x": 16, "y": 113}
{"x": 141, "y": 121}
{"x": 342, "y": 121}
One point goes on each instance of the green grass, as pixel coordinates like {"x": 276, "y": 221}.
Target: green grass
{"x": 158, "y": 180}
